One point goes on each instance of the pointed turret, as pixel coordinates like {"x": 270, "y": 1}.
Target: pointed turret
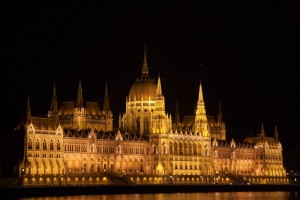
{"x": 79, "y": 101}
{"x": 276, "y": 134}
{"x": 220, "y": 116}
{"x": 200, "y": 96}
{"x": 201, "y": 125}
{"x": 54, "y": 107}
{"x": 145, "y": 69}
{"x": 262, "y": 131}
{"x": 158, "y": 88}
{"x": 106, "y": 107}
{"x": 28, "y": 112}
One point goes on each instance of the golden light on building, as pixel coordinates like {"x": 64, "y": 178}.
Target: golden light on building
{"x": 77, "y": 140}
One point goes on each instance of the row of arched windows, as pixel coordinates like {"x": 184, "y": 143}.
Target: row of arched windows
{"x": 44, "y": 145}
{"x": 187, "y": 148}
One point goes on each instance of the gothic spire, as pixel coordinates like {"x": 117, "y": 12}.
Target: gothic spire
{"x": 28, "y": 112}
{"x": 79, "y": 102}
{"x": 158, "y": 89}
{"x": 220, "y": 116}
{"x": 145, "y": 69}
{"x": 54, "y": 107}
{"x": 200, "y": 97}
{"x": 177, "y": 118}
{"x": 262, "y": 132}
{"x": 276, "y": 133}
{"x": 106, "y": 100}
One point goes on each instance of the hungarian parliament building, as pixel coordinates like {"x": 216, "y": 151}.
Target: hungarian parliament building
{"x": 77, "y": 140}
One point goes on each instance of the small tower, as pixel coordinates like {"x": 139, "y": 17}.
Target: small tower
{"x": 201, "y": 125}
{"x": 276, "y": 138}
{"x": 53, "y": 113}
{"x": 79, "y": 101}
{"x": 28, "y": 118}
{"x": 221, "y": 124}
{"x": 145, "y": 69}
{"x": 106, "y": 106}
{"x": 262, "y": 131}
{"x": 160, "y": 118}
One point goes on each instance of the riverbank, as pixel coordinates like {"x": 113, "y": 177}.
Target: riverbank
{"x": 18, "y": 192}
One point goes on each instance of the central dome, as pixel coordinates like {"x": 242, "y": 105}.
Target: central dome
{"x": 143, "y": 89}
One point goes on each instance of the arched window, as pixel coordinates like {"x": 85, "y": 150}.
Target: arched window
{"x": 180, "y": 148}
{"x": 185, "y": 148}
{"x": 146, "y": 125}
{"x": 199, "y": 149}
{"x": 176, "y": 148}
{"x": 37, "y": 144}
{"x": 51, "y": 145}
{"x": 58, "y": 145}
{"x": 190, "y": 149}
{"x": 171, "y": 148}
{"x": 195, "y": 149}
{"x": 44, "y": 145}
{"x": 138, "y": 125}
{"x": 29, "y": 144}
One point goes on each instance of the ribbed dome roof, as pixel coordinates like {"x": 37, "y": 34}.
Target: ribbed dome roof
{"x": 143, "y": 88}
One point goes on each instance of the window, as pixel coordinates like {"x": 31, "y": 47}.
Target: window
{"x": 44, "y": 145}
{"x": 37, "y": 144}
{"x": 171, "y": 148}
{"x": 180, "y": 148}
{"x": 195, "y": 149}
{"x": 51, "y": 145}
{"x": 138, "y": 125}
{"x": 29, "y": 144}
{"x": 185, "y": 148}
{"x": 58, "y": 145}
{"x": 146, "y": 125}
{"x": 176, "y": 148}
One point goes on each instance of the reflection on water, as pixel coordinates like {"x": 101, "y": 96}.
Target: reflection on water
{"x": 183, "y": 196}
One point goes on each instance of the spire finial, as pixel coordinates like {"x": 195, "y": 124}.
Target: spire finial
{"x": 275, "y": 133}
{"x": 158, "y": 89}
{"x": 54, "y": 107}
{"x": 79, "y": 102}
{"x": 200, "y": 97}
{"x": 106, "y": 99}
{"x": 262, "y": 132}
{"x": 145, "y": 69}
{"x": 28, "y": 112}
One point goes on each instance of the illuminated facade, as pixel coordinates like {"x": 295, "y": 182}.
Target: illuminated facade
{"x": 79, "y": 139}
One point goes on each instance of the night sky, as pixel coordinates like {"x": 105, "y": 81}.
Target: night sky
{"x": 245, "y": 54}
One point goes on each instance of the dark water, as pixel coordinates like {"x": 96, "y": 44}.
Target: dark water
{"x": 183, "y": 196}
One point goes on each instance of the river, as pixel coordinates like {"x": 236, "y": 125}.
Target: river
{"x": 182, "y": 196}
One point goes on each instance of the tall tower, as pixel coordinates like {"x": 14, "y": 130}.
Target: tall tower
{"x": 145, "y": 69}
{"x": 140, "y": 103}
{"x": 159, "y": 135}
{"x": 53, "y": 113}
{"x": 201, "y": 125}
{"x": 79, "y": 100}
{"x": 160, "y": 119}
{"x": 28, "y": 118}
{"x": 106, "y": 106}
{"x": 221, "y": 124}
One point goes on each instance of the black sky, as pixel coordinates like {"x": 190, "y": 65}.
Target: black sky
{"x": 245, "y": 54}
